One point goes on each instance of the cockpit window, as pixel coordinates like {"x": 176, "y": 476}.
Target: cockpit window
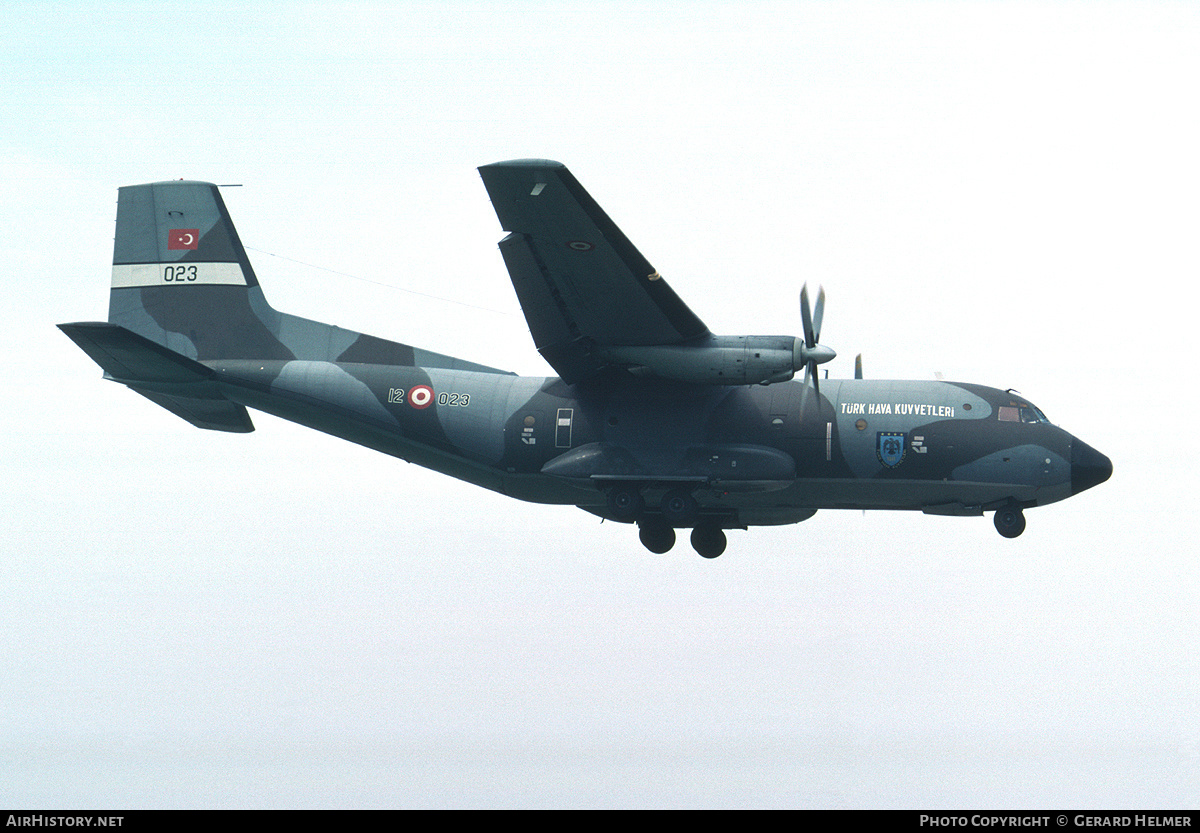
{"x": 1020, "y": 413}
{"x": 1035, "y": 414}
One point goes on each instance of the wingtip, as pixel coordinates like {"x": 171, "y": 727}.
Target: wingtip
{"x": 524, "y": 163}
{"x": 174, "y": 183}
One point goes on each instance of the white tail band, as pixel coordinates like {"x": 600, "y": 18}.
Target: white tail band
{"x": 177, "y": 274}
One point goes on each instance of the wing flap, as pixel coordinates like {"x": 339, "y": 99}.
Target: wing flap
{"x": 129, "y": 357}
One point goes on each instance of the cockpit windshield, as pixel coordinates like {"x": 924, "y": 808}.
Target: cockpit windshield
{"x": 1026, "y": 412}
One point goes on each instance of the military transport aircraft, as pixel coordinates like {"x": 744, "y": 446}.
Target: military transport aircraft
{"x": 652, "y": 420}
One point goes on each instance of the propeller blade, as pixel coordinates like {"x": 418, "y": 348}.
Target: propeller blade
{"x": 858, "y": 366}
{"x": 810, "y": 353}
{"x": 810, "y": 338}
{"x": 810, "y": 386}
{"x": 818, "y": 314}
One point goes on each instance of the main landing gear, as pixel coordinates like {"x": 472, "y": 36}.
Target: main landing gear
{"x": 657, "y": 537}
{"x": 709, "y": 541}
{"x": 1010, "y": 521}
{"x": 678, "y": 509}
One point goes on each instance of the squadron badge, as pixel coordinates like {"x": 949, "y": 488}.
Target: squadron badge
{"x": 890, "y": 447}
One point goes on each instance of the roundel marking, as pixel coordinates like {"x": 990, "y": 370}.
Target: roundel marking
{"x": 580, "y": 245}
{"x": 420, "y": 396}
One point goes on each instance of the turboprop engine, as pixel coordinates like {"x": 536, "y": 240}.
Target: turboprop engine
{"x": 734, "y": 360}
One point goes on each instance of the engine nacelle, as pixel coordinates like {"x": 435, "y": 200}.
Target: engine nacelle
{"x": 718, "y": 360}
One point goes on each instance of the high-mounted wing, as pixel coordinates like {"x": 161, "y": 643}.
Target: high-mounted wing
{"x": 583, "y": 286}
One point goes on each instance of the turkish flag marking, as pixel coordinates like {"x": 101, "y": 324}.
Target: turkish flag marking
{"x": 183, "y": 238}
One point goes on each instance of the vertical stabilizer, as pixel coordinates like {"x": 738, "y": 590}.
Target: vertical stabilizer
{"x": 181, "y": 277}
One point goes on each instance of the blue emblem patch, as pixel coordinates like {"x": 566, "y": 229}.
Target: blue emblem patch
{"x": 890, "y": 447}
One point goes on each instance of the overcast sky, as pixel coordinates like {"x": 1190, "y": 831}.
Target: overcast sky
{"x": 1005, "y": 193}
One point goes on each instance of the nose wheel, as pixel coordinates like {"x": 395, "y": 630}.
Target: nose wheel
{"x": 1010, "y": 521}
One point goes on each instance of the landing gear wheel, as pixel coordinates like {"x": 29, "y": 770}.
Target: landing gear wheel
{"x": 1010, "y": 521}
{"x": 679, "y": 507}
{"x": 656, "y": 537}
{"x": 709, "y": 541}
{"x": 625, "y": 503}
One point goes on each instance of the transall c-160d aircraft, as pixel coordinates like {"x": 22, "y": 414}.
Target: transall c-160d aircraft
{"x": 652, "y": 419}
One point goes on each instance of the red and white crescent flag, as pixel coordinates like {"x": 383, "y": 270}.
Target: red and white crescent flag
{"x": 183, "y": 238}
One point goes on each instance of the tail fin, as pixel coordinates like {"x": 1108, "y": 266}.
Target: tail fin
{"x": 181, "y": 278}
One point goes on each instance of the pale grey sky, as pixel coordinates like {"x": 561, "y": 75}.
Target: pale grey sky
{"x": 1001, "y": 192}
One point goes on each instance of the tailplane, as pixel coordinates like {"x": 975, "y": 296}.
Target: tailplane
{"x": 182, "y": 386}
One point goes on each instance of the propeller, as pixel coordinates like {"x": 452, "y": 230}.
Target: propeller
{"x": 810, "y": 352}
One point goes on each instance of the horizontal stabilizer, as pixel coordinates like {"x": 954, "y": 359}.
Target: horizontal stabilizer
{"x": 131, "y": 358}
{"x": 210, "y": 414}
{"x": 181, "y": 385}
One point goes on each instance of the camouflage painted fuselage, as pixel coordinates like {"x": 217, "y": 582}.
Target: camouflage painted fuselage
{"x": 755, "y": 454}
{"x": 653, "y": 419}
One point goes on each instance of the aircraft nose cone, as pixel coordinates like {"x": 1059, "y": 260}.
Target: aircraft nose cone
{"x": 1088, "y": 467}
